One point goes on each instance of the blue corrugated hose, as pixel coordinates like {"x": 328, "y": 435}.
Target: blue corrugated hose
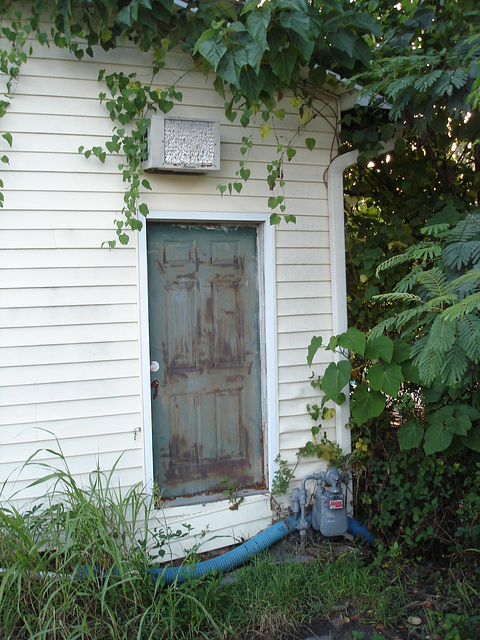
{"x": 244, "y": 552}
{"x": 360, "y": 531}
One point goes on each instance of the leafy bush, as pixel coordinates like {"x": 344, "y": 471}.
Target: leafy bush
{"x": 426, "y": 503}
{"x": 415, "y": 455}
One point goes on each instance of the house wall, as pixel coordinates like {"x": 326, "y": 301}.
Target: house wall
{"x": 70, "y": 351}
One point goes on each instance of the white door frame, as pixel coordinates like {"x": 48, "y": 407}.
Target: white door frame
{"x": 266, "y": 271}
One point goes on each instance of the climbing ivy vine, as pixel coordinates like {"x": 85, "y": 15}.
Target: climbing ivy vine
{"x": 254, "y": 52}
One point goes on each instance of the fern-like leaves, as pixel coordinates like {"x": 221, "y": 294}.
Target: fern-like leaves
{"x": 443, "y": 289}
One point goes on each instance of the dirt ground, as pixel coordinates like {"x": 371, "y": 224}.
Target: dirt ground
{"x": 338, "y": 629}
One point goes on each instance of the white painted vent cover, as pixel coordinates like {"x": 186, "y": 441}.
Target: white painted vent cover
{"x": 179, "y": 144}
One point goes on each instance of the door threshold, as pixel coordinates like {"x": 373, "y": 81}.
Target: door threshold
{"x": 203, "y": 499}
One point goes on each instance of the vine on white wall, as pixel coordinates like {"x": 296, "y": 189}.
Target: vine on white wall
{"x": 255, "y": 52}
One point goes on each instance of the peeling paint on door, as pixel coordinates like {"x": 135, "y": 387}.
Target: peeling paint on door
{"x": 204, "y": 332}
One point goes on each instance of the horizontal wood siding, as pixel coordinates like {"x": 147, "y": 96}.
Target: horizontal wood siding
{"x": 70, "y": 370}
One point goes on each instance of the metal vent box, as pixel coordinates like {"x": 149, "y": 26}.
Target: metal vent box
{"x": 181, "y": 144}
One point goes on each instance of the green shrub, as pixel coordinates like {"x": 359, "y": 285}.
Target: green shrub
{"x": 427, "y": 503}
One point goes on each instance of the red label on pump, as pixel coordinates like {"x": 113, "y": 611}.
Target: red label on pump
{"x": 336, "y": 504}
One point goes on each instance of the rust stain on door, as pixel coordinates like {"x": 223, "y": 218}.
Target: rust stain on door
{"x": 204, "y": 332}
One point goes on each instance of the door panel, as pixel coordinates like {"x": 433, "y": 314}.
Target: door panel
{"x": 204, "y": 332}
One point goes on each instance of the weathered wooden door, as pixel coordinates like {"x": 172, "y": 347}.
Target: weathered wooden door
{"x": 204, "y": 333}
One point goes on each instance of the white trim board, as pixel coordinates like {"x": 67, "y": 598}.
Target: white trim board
{"x": 266, "y": 248}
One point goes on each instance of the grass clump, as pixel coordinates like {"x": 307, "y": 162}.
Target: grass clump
{"x": 278, "y": 598}
{"x": 76, "y": 565}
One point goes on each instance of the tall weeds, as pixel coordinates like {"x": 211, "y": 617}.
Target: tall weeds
{"x": 75, "y": 565}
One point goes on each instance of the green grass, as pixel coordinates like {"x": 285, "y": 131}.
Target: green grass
{"x": 76, "y": 566}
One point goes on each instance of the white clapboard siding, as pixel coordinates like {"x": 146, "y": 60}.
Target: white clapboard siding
{"x": 298, "y": 373}
{"x": 231, "y": 526}
{"x": 36, "y": 336}
{"x": 121, "y": 422}
{"x": 57, "y": 373}
{"x": 20, "y": 355}
{"x": 61, "y": 220}
{"x": 73, "y": 315}
{"x": 38, "y": 257}
{"x": 308, "y": 322}
{"x": 62, "y": 392}
{"x": 39, "y": 182}
{"x": 66, "y": 277}
{"x": 294, "y": 340}
{"x": 36, "y": 414}
{"x": 70, "y": 345}
{"x": 303, "y": 272}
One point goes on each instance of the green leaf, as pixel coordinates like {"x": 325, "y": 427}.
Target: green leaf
{"x": 362, "y": 52}
{"x": 8, "y": 138}
{"x": 251, "y": 84}
{"x": 437, "y": 438}
{"x": 143, "y": 209}
{"x": 230, "y": 66}
{"x": 410, "y": 435}
{"x": 230, "y": 114}
{"x": 265, "y": 130}
{"x": 336, "y": 377}
{"x": 332, "y": 343}
{"x": 466, "y": 410}
{"x": 297, "y": 21}
{"x": 275, "y": 219}
{"x": 460, "y": 425}
{"x": 386, "y": 377}
{"x": 304, "y": 46}
{"x": 328, "y": 413}
{"x": 283, "y": 64}
{"x": 353, "y": 340}
{"x": 249, "y": 6}
{"x": 472, "y": 440}
{"x": 343, "y": 39}
{"x": 294, "y": 5}
{"x": 401, "y": 350}
{"x": 424, "y": 17}
{"x": 310, "y": 143}
{"x": 379, "y": 347}
{"x": 257, "y": 23}
{"x": 367, "y": 22}
{"x": 366, "y": 404}
{"x": 313, "y": 347}
{"x": 273, "y": 201}
{"x": 295, "y": 102}
{"x": 213, "y": 51}
{"x": 410, "y": 373}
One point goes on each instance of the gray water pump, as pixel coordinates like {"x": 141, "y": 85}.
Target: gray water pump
{"x": 329, "y": 511}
